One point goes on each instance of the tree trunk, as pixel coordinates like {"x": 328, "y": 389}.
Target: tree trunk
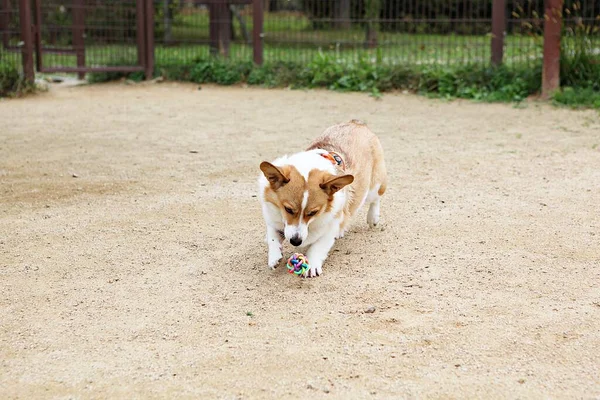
{"x": 168, "y": 21}
{"x": 371, "y": 36}
{"x": 243, "y": 27}
{"x": 372, "y": 11}
{"x": 273, "y": 6}
{"x": 5, "y": 23}
{"x": 342, "y": 14}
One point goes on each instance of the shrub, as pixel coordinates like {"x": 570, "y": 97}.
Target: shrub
{"x": 578, "y": 98}
{"x": 11, "y": 81}
{"x": 471, "y": 82}
{"x": 219, "y": 71}
{"x": 476, "y": 82}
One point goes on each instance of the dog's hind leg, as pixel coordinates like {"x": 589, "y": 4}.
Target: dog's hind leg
{"x": 373, "y": 199}
{"x": 342, "y": 230}
{"x": 378, "y": 184}
{"x": 373, "y": 214}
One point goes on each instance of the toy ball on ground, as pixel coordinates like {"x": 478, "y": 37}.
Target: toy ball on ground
{"x": 297, "y": 264}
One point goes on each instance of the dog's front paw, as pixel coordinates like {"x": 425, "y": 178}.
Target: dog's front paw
{"x": 274, "y": 258}
{"x": 341, "y": 234}
{"x": 314, "y": 269}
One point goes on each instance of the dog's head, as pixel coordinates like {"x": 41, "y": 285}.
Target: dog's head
{"x": 302, "y": 199}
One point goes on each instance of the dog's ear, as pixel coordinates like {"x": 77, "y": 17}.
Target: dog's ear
{"x": 274, "y": 175}
{"x": 336, "y": 183}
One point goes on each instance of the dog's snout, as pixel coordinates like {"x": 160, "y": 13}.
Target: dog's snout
{"x": 296, "y": 241}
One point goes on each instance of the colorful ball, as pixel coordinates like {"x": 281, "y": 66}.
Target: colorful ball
{"x": 297, "y": 264}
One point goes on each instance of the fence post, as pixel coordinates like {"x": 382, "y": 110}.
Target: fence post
{"x": 27, "y": 38}
{"x": 78, "y": 33}
{"x": 498, "y": 27}
{"x": 149, "y": 34}
{"x": 552, "y": 32}
{"x": 257, "y": 31}
{"x": 140, "y": 25}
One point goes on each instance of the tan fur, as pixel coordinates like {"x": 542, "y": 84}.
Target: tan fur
{"x": 363, "y": 157}
{"x": 288, "y": 186}
{"x": 317, "y": 198}
{"x": 288, "y": 195}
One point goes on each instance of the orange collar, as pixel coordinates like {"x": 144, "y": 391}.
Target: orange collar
{"x": 335, "y": 159}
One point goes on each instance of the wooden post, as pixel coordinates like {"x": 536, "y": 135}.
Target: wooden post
{"x": 552, "y": 32}
{"x": 257, "y": 31}
{"x": 498, "y": 27}
{"x": 27, "y": 38}
{"x": 149, "y": 38}
{"x": 140, "y": 24}
{"x": 78, "y": 34}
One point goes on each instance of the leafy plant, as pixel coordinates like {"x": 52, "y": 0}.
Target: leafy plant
{"x": 476, "y": 82}
{"x": 11, "y": 81}
{"x": 215, "y": 70}
{"x": 578, "y": 98}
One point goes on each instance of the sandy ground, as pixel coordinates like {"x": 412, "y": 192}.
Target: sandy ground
{"x": 133, "y": 262}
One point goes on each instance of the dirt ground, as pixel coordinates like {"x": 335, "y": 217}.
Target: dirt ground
{"x": 133, "y": 261}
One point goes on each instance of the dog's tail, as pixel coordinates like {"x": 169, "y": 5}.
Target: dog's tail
{"x": 357, "y": 122}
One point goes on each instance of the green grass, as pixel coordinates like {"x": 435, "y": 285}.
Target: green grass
{"x": 409, "y": 49}
{"x": 290, "y": 37}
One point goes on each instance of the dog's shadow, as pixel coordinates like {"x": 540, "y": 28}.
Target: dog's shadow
{"x": 355, "y": 241}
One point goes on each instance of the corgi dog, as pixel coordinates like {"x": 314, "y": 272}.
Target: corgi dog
{"x": 308, "y": 198}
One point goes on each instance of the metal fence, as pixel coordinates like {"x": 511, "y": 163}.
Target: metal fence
{"x": 389, "y": 31}
{"x": 136, "y": 35}
{"x": 10, "y": 31}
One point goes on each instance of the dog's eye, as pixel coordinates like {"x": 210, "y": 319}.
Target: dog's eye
{"x": 312, "y": 213}
{"x": 289, "y": 210}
